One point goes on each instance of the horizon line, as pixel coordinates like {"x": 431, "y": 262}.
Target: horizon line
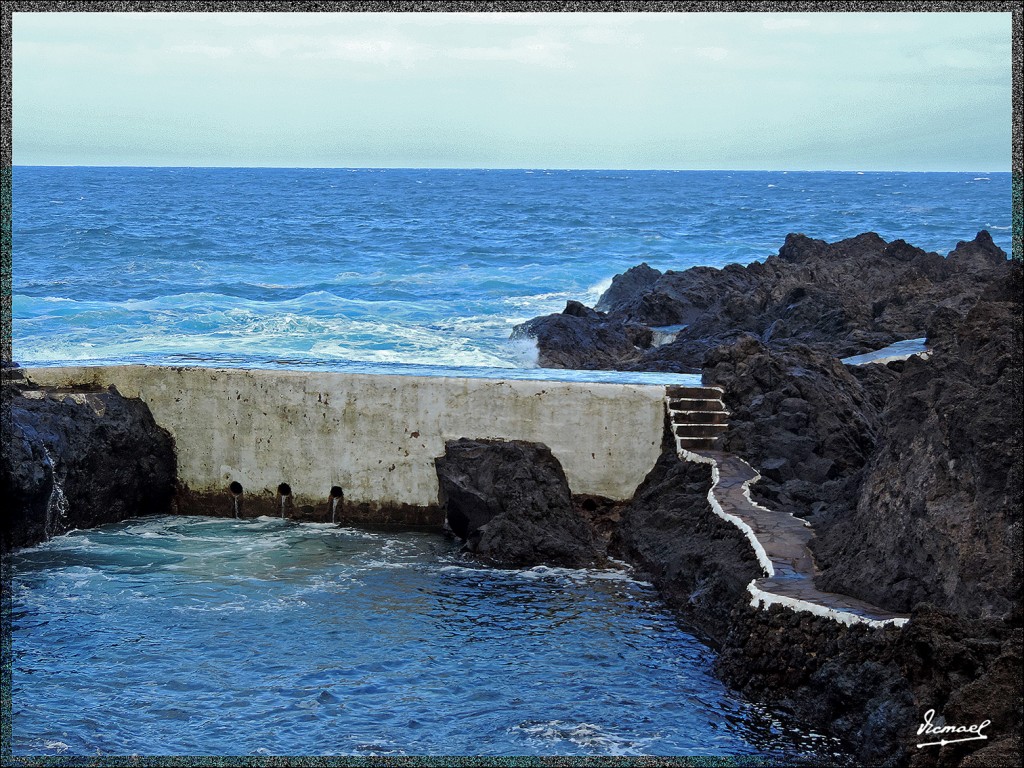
{"x": 500, "y": 168}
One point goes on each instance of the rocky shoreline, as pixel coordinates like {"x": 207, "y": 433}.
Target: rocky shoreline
{"x": 910, "y": 473}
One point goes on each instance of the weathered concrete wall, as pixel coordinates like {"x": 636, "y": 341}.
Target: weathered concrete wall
{"x": 375, "y": 435}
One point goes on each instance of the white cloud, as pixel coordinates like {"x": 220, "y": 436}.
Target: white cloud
{"x": 366, "y": 50}
{"x": 785, "y": 21}
{"x": 199, "y": 49}
{"x": 608, "y": 36}
{"x": 531, "y": 50}
{"x": 714, "y": 53}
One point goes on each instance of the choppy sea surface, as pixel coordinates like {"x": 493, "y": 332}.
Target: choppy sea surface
{"x": 203, "y": 636}
{"x": 408, "y": 271}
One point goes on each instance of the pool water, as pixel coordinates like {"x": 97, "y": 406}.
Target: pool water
{"x": 201, "y": 636}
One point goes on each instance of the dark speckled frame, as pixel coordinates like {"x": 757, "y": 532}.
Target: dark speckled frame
{"x": 6, "y": 149}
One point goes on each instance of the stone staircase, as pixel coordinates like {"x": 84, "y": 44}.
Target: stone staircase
{"x": 699, "y": 418}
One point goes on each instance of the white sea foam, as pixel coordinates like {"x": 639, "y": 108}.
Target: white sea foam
{"x": 596, "y": 291}
{"x": 587, "y": 735}
{"x": 524, "y": 352}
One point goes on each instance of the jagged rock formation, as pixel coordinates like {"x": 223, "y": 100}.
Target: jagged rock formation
{"x": 562, "y": 338}
{"x": 700, "y": 563}
{"x": 801, "y": 418}
{"x": 510, "y": 502}
{"x": 938, "y": 516}
{"x": 78, "y": 460}
{"x": 848, "y": 297}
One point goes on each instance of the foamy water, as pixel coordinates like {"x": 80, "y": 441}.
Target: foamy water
{"x": 380, "y": 269}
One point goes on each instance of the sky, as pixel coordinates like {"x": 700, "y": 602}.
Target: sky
{"x": 772, "y": 91}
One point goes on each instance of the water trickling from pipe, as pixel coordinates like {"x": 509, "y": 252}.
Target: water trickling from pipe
{"x": 336, "y": 495}
{"x": 284, "y": 493}
{"x": 236, "y": 497}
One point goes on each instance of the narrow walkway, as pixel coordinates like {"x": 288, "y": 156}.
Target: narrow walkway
{"x": 779, "y": 540}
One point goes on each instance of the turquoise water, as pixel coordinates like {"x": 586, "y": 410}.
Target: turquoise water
{"x": 192, "y": 636}
{"x": 392, "y": 269}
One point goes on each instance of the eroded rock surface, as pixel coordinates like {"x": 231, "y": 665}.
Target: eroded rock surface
{"x": 511, "y": 504}
{"x": 910, "y": 472}
{"x": 801, "y": 418}
{"x": 700, "y": 563}
{"x": 939, "y": 513}
{"x": 581, "y": 338}
{"x": 848, "y": 297}
{"x": 78, "y": 460}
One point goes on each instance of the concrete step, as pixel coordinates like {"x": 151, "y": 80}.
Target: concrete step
{"x": 710, "y": 393}
{"x": 695, "y": 404}
{"x": 700, "y": 430}
{"x": 697, "y": 443}
{"x": 699, "y": 417}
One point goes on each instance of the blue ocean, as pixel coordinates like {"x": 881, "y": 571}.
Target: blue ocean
{"x": 420, "y": 271}
{"x": 192, "y": 636}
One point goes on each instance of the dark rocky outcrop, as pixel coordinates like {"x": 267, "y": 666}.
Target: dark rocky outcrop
{"x": 700, "y": 563}
{"x": 869, "y": 687}
{"x": 938, "y": 516}
{"x": 510, "y": 502}
{"x": 848, "y": 297}
{"x": 801, "y": 418}
{"x": 910, "y": 472}
{"x": 629, "y": 286}
{"x": 78, "y": 460}
{"x": 584, "y": 339}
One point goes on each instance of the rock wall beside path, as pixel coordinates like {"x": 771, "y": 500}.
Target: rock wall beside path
{"x": 868, "y": 686}
{"x": 938, "y": 516}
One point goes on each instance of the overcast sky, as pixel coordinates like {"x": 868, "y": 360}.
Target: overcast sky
{"x": 886, "y": 91}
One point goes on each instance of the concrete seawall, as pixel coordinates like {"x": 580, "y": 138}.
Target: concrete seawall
{"x": 376, "y": 436}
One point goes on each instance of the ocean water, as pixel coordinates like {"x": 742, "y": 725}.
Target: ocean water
{"x": 198, "y": 636}
{"x": 202, "y": 636}
{"x": 415, "y": 271}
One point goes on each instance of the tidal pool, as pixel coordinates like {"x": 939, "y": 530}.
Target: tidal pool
{"x": 203, "y": 636}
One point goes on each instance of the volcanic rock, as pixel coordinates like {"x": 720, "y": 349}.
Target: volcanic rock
{"x": 939, "y": 514}
{"x": 584, "y": 339}
{"x": 801, "y": 418}
{"x": 78, "y": 460}
{"x": 511, "y": 504}
{"x": 848, "y": 297}
{"x": 700, "y": 563}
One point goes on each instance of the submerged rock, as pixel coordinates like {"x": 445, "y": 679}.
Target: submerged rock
{"x": 510, "y": 502}
{"x": 78, "y": 460}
